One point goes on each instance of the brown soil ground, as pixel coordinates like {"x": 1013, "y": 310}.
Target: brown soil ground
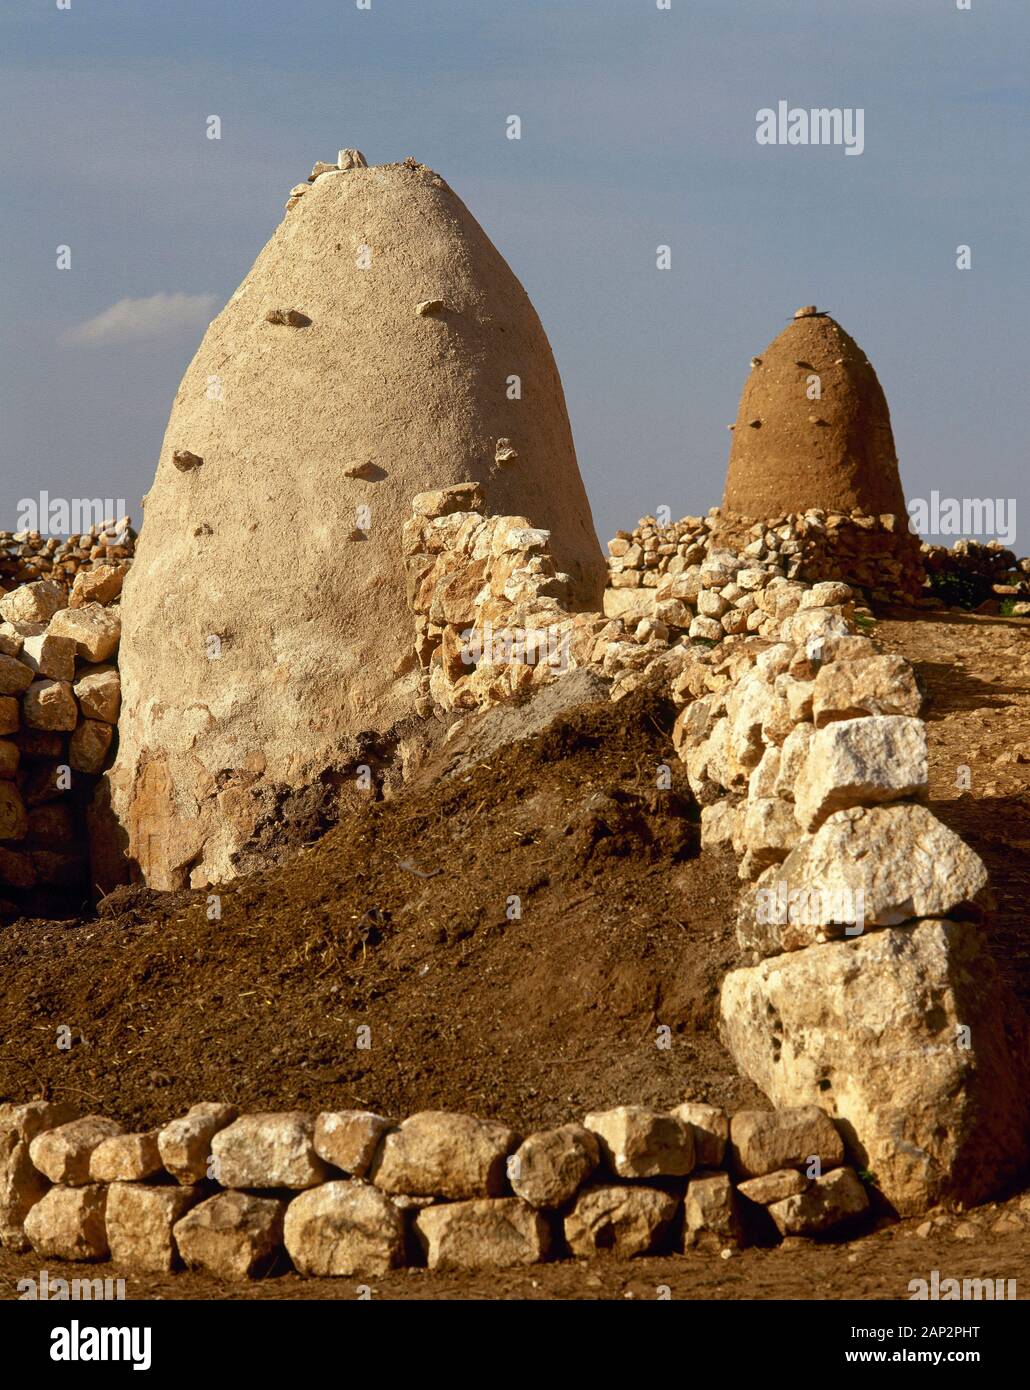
{"x": 876, "y": 1266}
{"x": 397, "y": 921}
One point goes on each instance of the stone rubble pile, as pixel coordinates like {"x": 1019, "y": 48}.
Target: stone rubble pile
{"x": 26, "y": 556}
{"x": 492, "y": 617}
{"x": 864, "y": 993}
{"x": 60, "y": 695}
{"x": 356, "y": 1194}
{"x": 480, "y": 586}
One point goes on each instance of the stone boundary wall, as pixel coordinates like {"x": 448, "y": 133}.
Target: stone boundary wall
{"x": 356, "y": 1194}
{"x": 864, "y": 992}
{"x": 60, "y": 695}
{"x": 879, "y": 555}
{"x": 480, "y": 586}
{"x": 864, "y": 987}
{"x": 26, "y": 556}
{"x": 979, "y": 575}
{"x": 479, "y": 589}
{"x": 484, "y": 589}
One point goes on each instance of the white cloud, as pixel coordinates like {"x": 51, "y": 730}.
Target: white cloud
{"x": 132, "y": 320}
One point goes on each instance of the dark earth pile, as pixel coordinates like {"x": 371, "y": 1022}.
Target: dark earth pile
{"x": 398, "y": 922}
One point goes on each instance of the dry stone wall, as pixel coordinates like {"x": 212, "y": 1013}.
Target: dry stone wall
{"x": 354, "y": 1194}
{"x": 877, "y": 554}
{"x": 491, "y": 610}
{"x": 864, "y": 991}
{"x": 867, "y": 989}
{"x": 864, "y": 988}
{"x": 492, "y": 617}
{"x": 60, "y": 695}
{"x": 987, "y": 576}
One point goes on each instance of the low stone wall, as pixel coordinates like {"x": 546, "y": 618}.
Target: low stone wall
{"x": 26, "y": 556}
{"x": 492, "y": 618}
{"x": 976, "y": 575}
{"x": 879, "y": 555}
{"x": 867, "y": 989}
{"x": 864, "y": 989}
{"x": 492, "y": 621}
{"x": 60, "y": 695}
{"x": 356, "y": 1194}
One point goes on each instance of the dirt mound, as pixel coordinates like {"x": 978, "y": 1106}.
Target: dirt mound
{"x": 813, "y": 429}
{"x": 401, "y": 920}
{"x": 379, "y": 347}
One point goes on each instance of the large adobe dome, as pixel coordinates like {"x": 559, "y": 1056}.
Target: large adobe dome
{"x": 396, "y": 360}
{"x": 791, "y": 452}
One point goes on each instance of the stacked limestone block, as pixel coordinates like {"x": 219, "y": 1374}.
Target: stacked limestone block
{"x": 867, "y": 990}
{"x": 491, "y": 610}
{"x": 350, "y": 1193}
{"x": 59, "y": 702}
{"x": 492, "y": 615}
{"x": 26, "y": 556}
{"x": 878, "y": 555}
{"x": 480, "y": 588}
{"x": 750, "y": 736}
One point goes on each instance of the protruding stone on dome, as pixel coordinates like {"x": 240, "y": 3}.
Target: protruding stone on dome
{"x": 813, "y": 428}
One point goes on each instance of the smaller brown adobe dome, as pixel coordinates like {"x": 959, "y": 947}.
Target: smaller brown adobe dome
{"x": 813, "y": 429}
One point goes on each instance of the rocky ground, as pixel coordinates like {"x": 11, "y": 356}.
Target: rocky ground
{"x": 876, "y": 1266}
{"x": 399, "y": 920}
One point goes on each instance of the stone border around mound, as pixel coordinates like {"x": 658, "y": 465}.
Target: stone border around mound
{"x": 864, "y": 987}
{"x": 352, "y": 1193}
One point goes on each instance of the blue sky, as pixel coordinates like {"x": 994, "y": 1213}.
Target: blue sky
{"x": 638, "y": 130}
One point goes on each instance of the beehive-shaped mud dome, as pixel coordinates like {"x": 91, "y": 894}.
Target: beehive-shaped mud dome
{"x": 379, "y": 347}
{"x": 813, "y": 429}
